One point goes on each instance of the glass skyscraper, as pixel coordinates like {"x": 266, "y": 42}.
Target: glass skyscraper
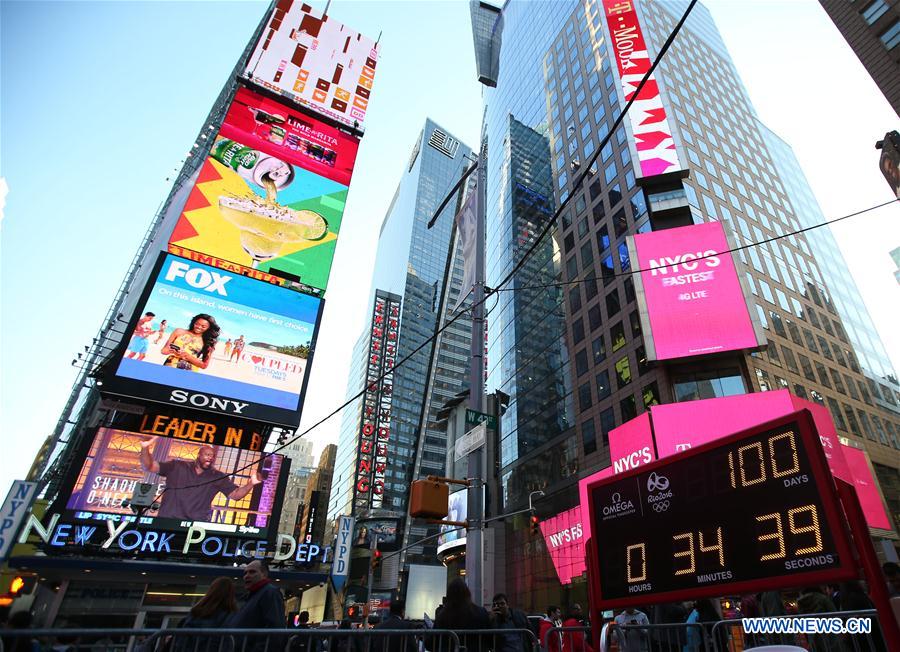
{"x": 572, "y": 356}
{"x": 411, "y": 263}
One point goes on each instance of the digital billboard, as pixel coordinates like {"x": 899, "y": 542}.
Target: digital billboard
{"x": 385, "y": 529}
{"x": 564, "y": 537}
{"x": 653, "y": 135}
{"x": 211, "y": 340}
{"x": 255, "y": 203}
{"x": 457, "y": 510}
{"x": 375, "y": 427}
{"x": 227, "y": 489}
{"x": 315, "y": 61}
{"x": 866, "y": 487}
{"x": 690, "y": 297}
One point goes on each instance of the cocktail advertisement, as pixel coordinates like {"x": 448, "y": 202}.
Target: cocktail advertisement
{"x": 212, "y": 340}
{"x": 255, "y": 204}
{"x": 231, "y": 490}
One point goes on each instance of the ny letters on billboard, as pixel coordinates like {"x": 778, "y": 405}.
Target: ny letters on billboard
{"x": 265, "y": 380}
{"x": 375, "y": 429}
{"x": 755, "y": 510}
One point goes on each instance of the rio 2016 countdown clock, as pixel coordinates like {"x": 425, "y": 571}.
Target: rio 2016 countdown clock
{"x": 753, "y": 511}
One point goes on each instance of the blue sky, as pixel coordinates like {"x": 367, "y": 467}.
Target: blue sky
{"x": 100, "y": 101}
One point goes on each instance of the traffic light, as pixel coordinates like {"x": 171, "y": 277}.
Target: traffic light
{"x": 22, "y": 585}
{"x": 535, "y": 525}
{"x": 376, "y": 559}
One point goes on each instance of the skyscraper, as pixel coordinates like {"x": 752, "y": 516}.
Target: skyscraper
{"x": 557, "y": 79}
{"x": 409, "y": 276}
{"x": 872, "y": 29}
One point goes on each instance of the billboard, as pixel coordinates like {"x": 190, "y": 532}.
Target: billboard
{"x": 228, "y": 489}
{"x": 866, "y": 488}
{"x": 206, "y": 339}
{"x": 256, "y": 205}
{"x": 654, "y": 143}
{"x": 315, "y": 61}
{"x": 383, "y": 528}
{"x": 375, "y": 428}
{"x": 564, "y": 536}
{"x": 457, "y": 510}
{"x": 690, "y": 297}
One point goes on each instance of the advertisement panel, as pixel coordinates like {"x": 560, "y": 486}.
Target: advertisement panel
{"x": 258, "y": 204}
{"x": 202, "y": 338}
{"x": 385, "y": 529}
{"x": 226, "y": 489}
{"x": 654, "y": 143}
{"x": 315, "y": 61}
{"x": 866, "y": 488}
{"x": 564, "y": 537}
{"x": 375, "y": 428}
{"x": 457, "y": 510}
{"x": 691, "y": 300}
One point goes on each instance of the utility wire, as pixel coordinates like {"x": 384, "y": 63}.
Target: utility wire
{"x": 550, "y": 223}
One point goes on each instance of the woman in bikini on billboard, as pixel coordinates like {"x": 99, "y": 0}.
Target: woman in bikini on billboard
{"x": 192, "y": 348}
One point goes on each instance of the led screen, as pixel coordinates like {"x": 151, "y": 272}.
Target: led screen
{"x": 564, "y": 537}
{"x": 866, "y": 488}
{"x": 198, "y": 482}
{"x": 691, "y": 300}
{"x": 213, "y": 340}
{"x": 315, "y": 61}
{"x": 457, "y": 510}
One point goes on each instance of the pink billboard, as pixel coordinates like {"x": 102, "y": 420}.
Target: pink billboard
{"x": 564, "y": 536}
{"x": 691, "y": 299}
{"x": 631, "y": 444}
{"x": 866, "y": 488}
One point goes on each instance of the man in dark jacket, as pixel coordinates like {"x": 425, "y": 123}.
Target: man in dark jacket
{"x": 505, "y": 617}
{"x": 263, "y": 606}
{"x": 395, "y": 620}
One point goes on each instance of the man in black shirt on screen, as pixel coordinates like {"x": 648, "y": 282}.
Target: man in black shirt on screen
{"x": 191, "y": 486}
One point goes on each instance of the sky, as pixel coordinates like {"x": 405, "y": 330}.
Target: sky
{"x": 101, "y": 101}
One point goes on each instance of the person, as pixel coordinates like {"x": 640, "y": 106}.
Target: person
{"x": 635, "y": 639}
{"x": 550, "y": 642}
{"x": 813, "y": 600}
{"x": 301, "y": 642}
{"x": 162, "y": 331}
{"x": 396, "y": 620}
{"x": 228, "y": 347}
{"x": 575, "y": 641}
{"x": 459, "y": 613}
{"x": 137, "y": 346}
{"x": 505, "y": 617}
{"x": 671, "y": 638}
{"x": 263, "y": 608}
{"x": 237, "y": 348}
{"x": 192, "y": 348}
{"x": 210, "y": 612}
{"x": 191, "y": 486}
{"x": 892, "y": 578}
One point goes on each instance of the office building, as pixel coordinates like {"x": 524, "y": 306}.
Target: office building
{"x": 557, "y": 82}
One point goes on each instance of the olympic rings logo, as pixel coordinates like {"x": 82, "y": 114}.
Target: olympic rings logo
{"x": 661, "y": 506}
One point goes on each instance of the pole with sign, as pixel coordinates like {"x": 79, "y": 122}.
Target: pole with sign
{"x": 343, "y": 543}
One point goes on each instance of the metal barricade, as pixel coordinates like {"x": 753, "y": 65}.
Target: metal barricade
{"x": 731, "y": 636}
{"x": 486, "y": 640}
{"x": 668, "y": 637}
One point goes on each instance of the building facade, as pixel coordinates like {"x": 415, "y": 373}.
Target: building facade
{"x": 570, "y": 319}
{"x": 872, "y": 29}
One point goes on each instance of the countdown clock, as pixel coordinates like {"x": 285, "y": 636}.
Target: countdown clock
{"x": 753, "y": 511}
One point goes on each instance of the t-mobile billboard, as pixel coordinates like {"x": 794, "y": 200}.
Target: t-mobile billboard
{"x": 691, "y": 299}
{"x": 866, "y": 488}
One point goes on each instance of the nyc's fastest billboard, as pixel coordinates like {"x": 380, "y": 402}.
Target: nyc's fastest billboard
{"x": 207, "y": 339}
{"x": 691, "y": 299}
{"x": 315, "y": 61}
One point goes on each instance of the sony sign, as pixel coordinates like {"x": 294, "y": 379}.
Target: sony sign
{"x": 198, "y": 400}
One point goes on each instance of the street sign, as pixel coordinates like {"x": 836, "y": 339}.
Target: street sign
{"x": 754, "y": 511}
{"x": 473, "y": 418}
{"x": 471, "y": 441}
{"x": 340, "y": 567}
{"x": 15, "y": 509}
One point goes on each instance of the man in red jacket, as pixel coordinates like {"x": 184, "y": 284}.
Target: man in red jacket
{"x": 553, "y": 642}
{"x": 576, "y": 641}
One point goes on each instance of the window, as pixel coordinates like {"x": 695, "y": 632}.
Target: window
{"x": 607, "y": 423}
{"x": 866, "y": 426}
{"x": 635, "y": 323}
{"x": 607, "y": 270}
{"x": 851, "y": 419}
{"x": 584, "y": 397}
{"x": 628, "y": 408}
{"x": 650, "y": 395}
{"x": 874, "y": 11}
{"x": 891, "y": 37}
{"x": 594, "y": 319}
{"x": 613, "y": 305}
{"x": 624, "y": 259}
{"x": 603, "y": 387}
{"x": 581, "y": 362}
{"x": 577, "y": 331}
{"x": 836, "y": 414}
{"x": 620, "y": 222}
{"x": 762, "y": 379}
{"x": 617, "y": 337}
{"x": 807, "y": 367}
{"x": 574, "y": 300}
{"x": 823, "y": 374}
{"x": 710, "y": 384}
{"x": 598, "y": 348}
{"x": 623, "y": 372}
{"x": 588, "y": 437}
{"x": 790, "y": 360}
{"x": 602, "y": 234}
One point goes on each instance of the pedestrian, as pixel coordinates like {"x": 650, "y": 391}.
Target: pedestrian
{"x": 460, "y": 613}
{"x": 813, "y": 600}
{"x": 210, "y": 612}
{"x": 395, "y": 642}
{"x": 346, "y": 643}
{"x": 853, "y": 597}
{"x": 263, "y": 606}
{"x": 892, "y": 578}
{"x": 669, "y": 637}
{"x": 505, "y": 617}
{"x": 20, "y": 620}
{"x": 575, "y": 641}
{"x": 553, "y": 619}
{"x": 301, "y": 641}
{"x": 635, "y": 638}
